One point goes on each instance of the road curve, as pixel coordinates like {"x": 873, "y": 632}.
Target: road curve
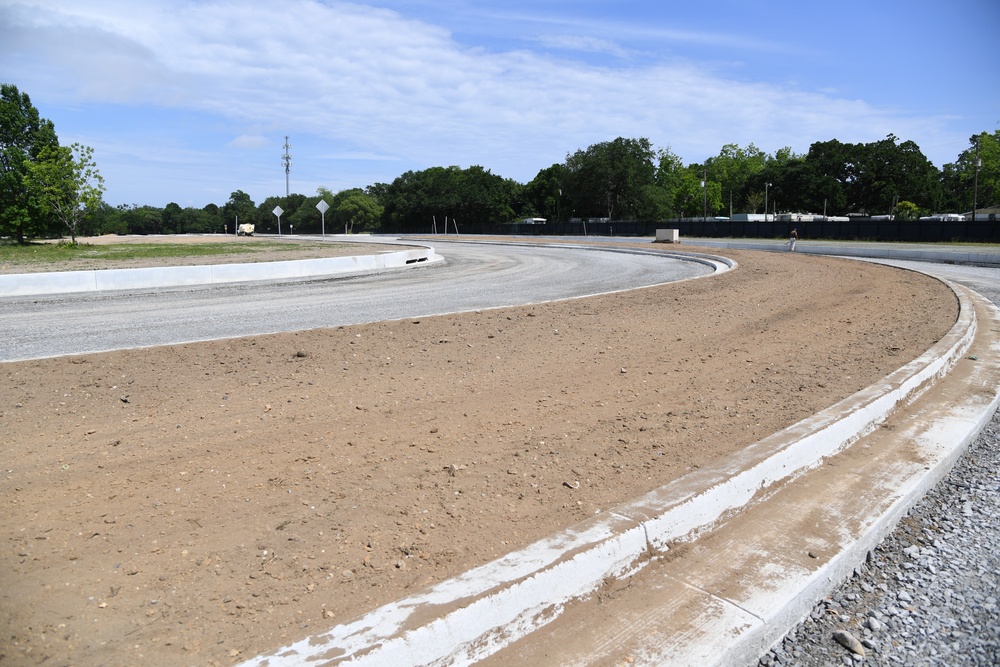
{"x": 472, "y": 277}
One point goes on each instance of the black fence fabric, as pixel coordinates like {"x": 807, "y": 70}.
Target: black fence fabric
{"x": 856, "y": 229}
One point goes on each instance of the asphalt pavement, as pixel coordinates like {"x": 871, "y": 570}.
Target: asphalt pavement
{"x": 471, "y": 277}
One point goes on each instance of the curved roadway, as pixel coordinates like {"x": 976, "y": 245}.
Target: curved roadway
{"x": 472, "y": 277}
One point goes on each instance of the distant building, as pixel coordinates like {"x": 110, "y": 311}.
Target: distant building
{"x": 786, "y": 217}
{"x": 985, "y": 214}
{"x": 944, "y": 217}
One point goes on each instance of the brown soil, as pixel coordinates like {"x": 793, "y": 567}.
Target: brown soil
{"x": 200, "y": 504}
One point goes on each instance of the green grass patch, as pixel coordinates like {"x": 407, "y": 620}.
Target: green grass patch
{"x": 47, "y": 253}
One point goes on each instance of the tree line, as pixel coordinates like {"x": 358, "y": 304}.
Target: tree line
{"x": 48, "y": 189}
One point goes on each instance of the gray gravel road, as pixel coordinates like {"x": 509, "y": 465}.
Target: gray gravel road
{"x": 927, "y": 596}
{"x": 471, "y": 277}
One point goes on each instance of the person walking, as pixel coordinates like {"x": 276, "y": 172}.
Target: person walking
{"x": 791, "y": 241}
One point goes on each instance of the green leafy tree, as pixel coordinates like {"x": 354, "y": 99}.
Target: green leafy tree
{"x": 108, "y": 219}
{"x": 959, "y": 183}
{"x": 793, "y": 182}
{"x": 485, "y": 197}
{"x": 907, "y": 210}
{"x": 173, "y": 219}
{"x": 213, "y": 212}
{"x": 418, "y": 197}
{"x": 23, "y": 137}
{"x": 734, "y": 168}
{"x": 469, "y": 195}
{"x": 609, "y": 179}
{"x": 65, "y": 182}
{"x": 656, "y": 204}
{"x": 266, "y": 220}
{"x": 141, "y": 219}
{"x": 241, "y": 209}
{"x": 695, "y": 196}
{"x": 664, "y": 199}
{"x": 887, "y": 170}
{"x": 817, "y": 182}
{"x": 543, "y": 195}
{"x": 356, "y": 210}
{"x": 303, "y": 217}
{"x": 197, "y": 221}
{"x": 294, "y": 216}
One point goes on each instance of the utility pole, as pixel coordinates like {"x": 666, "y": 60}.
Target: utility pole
{"x": 704, "y": 195}
{"x": 766, "y": 186}
{"x": 286, "y": 159}
{"x": 975, "y": 187}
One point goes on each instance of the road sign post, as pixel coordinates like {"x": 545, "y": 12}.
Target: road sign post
{"x": 278, "y": 211}
{"x": 323, "y": 207}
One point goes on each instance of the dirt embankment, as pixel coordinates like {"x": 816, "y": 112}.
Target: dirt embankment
{"x": 198, "y": 504}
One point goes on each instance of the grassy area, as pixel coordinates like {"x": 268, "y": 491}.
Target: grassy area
{"x": 47, "y": 253}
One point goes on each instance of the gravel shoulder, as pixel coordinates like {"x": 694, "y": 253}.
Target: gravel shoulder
{"x": 927, "y": 595}
{"x": 201, "y": 503}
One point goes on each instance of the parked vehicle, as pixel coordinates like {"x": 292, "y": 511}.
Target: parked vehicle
{"x": 246, "y": 229}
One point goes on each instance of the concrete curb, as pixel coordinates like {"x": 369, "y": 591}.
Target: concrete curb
{"x": 885, "y": 251}
{"x": 725, "y": 599}
{"x": 76, "y": 282}
{"x": 471, "y": 616}
{"x": 717, "y": 262}
{"x": 943, "y": 441}
{"x": 789, "y": 589}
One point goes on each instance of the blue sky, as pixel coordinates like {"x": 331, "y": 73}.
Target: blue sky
{"x": 188, "y": 101}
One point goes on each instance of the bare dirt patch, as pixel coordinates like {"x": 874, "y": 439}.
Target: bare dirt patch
{"x": 199, "y": 504}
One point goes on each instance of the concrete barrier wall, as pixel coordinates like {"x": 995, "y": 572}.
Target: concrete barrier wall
{"x": 74, "y": 282}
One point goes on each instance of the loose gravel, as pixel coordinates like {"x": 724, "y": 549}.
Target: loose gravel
{"x": 927, "y": 595}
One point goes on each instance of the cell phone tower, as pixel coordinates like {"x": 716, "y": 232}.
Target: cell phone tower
{"x": 286, "y": 160}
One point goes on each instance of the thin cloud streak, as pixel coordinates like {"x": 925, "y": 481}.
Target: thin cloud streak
{"x": 361, "y": 81}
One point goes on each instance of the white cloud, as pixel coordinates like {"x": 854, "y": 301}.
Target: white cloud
{"x": 583, "y": 43}
{"x": 372, "y": 82}
{"x": 250, "y": 141}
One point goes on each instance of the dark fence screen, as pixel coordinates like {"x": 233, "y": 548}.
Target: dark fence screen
{"x": 856, "y": 229}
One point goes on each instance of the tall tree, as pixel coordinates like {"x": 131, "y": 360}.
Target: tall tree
{"x": 240, "y": 208}
{"x": 141, "y": 219}
{"x": 65, "y": 182}
{"x": 470, "y": 195}
{"x": 609, "y": 179}
{"x": 697, "y": 196}
{"x": 356, "y": 210}
{"x": 198, "y": 221}
{"x": 543, "y": 195}
{"x": 888, "y": 170}
{"x": 173, "y": 219}
{"x": 960, "y": 183}
{"x": 827, "y": 179}
{"x": 734, "y": 167}
{"x": 664, "y": 199}
{"x": 486, "y": 197}
{"x": 24, "y": 134}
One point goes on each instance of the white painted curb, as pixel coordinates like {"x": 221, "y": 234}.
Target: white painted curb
{"x": 473, "y": 615}
{"x": 76, "y": 282}
{"x": 941, "y": 441}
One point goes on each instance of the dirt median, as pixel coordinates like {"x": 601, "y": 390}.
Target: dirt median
{"x": 201, "y": 503}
